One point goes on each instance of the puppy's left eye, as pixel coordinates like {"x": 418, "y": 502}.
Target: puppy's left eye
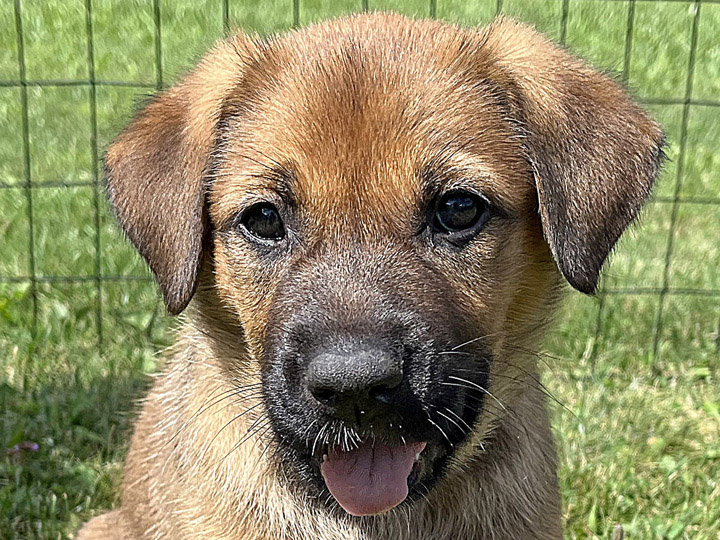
{"x": 460, "y": 211}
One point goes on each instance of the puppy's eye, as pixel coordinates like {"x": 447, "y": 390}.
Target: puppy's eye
{"x": 459, "y": 211}
{"x": 263, "y": 221}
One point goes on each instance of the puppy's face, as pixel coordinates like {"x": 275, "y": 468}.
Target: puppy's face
{"x": 371, "y": 245}
{"x": 386, "y": 204}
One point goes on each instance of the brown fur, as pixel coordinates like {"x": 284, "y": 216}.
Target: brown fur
{"x": 353, "y": 117}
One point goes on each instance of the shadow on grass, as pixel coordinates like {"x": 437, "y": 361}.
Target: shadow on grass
{"x": 82, "y": 428}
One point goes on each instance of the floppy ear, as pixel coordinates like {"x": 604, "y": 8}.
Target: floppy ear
{"x": 156, "y": 169}
{"x": 594, "y": 152}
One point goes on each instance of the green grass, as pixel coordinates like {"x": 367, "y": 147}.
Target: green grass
{"x": 639, "y": 438}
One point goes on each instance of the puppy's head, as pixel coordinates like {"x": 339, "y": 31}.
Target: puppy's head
{"x": 387, "y": 207}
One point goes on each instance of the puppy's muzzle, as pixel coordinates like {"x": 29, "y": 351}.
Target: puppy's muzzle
{"x": 359, "y": 385}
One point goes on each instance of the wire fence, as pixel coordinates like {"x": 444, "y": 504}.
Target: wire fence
{"x": 34, "y": 179}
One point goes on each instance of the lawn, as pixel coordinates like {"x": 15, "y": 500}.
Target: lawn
{"x": 636, "y": 368}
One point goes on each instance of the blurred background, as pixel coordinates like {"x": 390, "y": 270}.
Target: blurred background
{"x": 634, "y": 369}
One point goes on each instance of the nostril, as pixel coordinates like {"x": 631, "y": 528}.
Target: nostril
{"x": 366, "y": 378}
{"x": 383, "y": 392}
{"x": 326, "y": 396}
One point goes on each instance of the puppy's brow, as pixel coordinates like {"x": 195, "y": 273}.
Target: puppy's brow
{"x": 282, "y": 179}
{"x": 442, "y": 171}
{"x": 277, "y": 175}
{"x": 434, "y": 175}
{"x": 284, "y": 168}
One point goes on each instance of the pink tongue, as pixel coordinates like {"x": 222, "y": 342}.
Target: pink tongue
{"x": 369, "y": 480}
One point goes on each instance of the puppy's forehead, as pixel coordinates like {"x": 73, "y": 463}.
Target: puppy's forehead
{"x": 358, "y": 121}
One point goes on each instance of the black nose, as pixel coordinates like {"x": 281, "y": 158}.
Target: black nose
{"x": 357, "y": 386}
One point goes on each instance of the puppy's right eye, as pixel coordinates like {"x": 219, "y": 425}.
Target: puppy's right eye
{"x": 263, "y": 221}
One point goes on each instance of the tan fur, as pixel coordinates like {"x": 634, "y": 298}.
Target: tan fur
{"x": 357, "y": 106}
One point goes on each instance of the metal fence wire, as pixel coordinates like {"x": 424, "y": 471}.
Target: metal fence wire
{"x": 95, "y": 94}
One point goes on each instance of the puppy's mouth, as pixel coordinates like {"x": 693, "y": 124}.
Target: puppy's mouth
{"x": 374, "y": 473}
{"x": 369, "y": 452}
{"x": 371, "y": 478}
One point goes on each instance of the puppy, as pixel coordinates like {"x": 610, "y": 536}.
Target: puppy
{"x": 373, "y": 218}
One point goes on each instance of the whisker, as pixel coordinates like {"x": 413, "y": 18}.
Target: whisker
{"x": 317, "y": 437}
{"x": 470, "y": 341}
{"x": 267, "y": 446}
{"x": 233, "y": 419}
{"x": 478, "y": 387}
{"x": 440, "y": 430}
{"x": 237, "y": 445}
{"x": 460, "y": 353}
{"x": 544, "y": 389}
{"x": 228, "y": 394}
{"x": 450, "y": 411}
{"x": 446, "y": 417}
{"x": 200, "y": 408}
{"x": 306, "y": 432}
{"x": 540, "y": 386}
